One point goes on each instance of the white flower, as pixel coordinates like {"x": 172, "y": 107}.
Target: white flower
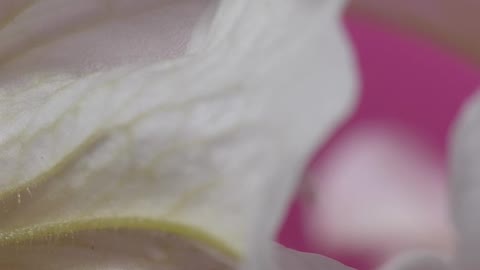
{"x": 159, "y": 134}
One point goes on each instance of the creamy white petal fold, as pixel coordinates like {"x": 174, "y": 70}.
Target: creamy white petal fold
{"x": 134, "y": 123}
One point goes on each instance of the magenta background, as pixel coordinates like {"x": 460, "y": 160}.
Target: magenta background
{"x": 407, "y": 81}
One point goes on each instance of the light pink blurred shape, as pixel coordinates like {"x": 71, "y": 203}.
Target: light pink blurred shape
{"x": 380, "y": 190}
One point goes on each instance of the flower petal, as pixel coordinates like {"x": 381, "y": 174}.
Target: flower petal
{"x": 466, "y": 184}
{"x": 114, "y": 249}
{"x": 206, "y": 146}
{"x": 107, "y": 250}
{"x": 380, "y": 190}
{"x": 289, "y": 259}
{"x": 85, "y": 36}
{"x": 418, "y": 260}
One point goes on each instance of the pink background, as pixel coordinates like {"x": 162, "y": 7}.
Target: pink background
{"x": 407, "y": 81}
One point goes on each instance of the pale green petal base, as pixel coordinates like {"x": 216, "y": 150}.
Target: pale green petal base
{"x": 114, "y": 244}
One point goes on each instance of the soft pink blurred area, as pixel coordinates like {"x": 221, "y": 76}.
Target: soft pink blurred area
{"x": 378, "y": 191}
{"x": 412, "y": 85}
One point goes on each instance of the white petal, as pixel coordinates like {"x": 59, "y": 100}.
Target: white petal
{"x": 418, "y": 260}
{"x": 88, "y": 35}
{"x": 381, "y": 189}
{"x": 466, "y": 184}
{"x": 288, "y": 259}
{"x": 207, "y": 146}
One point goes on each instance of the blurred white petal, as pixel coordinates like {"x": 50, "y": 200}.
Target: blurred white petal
{"x": 288, "y": 259}
{"x": 466, "y": 184}
{"x": 418, "y": 260}
{"x": 380, "y": 191}
{"x": 116, "y": 129}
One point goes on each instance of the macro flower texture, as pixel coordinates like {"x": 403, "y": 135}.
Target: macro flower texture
{"x": 166, "y": 134}
{"x": 162, "y": 134}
